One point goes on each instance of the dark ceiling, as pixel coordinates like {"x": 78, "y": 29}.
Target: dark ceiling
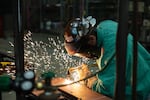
{"x": 5, "y": 6}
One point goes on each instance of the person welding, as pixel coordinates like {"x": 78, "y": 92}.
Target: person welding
{"x": 83, "y": 37}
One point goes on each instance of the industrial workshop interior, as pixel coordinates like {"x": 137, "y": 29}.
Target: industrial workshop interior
{"x": 35, "y": 63}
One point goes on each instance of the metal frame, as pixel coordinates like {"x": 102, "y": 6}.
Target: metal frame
{"x": 18, "y": 42}
{"x": 121, "y": 46}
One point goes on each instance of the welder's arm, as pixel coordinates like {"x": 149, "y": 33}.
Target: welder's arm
{"x": 85, "y": 73}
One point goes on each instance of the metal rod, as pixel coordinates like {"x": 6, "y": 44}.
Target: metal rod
{"x": 76, "y": 8}
{"x": 82, "y": 9}
{"x": 18, "y": 38}
{"x": 0, "y": 95}
{"x": 121, "y": 46}
{"x": 18, "y": 43}
{"x": 135, "y": 55}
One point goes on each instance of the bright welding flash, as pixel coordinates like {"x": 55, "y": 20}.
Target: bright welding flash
{"x": 75, "y": 76}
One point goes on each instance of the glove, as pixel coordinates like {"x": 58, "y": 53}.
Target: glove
{"x": 79, "y": 72}
{"x": 91, "y": 81}
{"x": 82, "y": 72}
{"x": 85, "y": 72}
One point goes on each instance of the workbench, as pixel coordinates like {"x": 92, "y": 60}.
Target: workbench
{"x": 81, "y": 92}
{"x": 77, "y": 91}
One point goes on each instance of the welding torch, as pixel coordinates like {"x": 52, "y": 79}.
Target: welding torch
{"x": 92, "y": 75}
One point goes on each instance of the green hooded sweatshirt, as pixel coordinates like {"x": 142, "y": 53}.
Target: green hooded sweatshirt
{"x": 106, "y": 35}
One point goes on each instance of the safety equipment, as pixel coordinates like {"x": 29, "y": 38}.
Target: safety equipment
{"x": 79, "y": 27}
{"x": 82, "y": 48}
{"x": 76, "y": 37}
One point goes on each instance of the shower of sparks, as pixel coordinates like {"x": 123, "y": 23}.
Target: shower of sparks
{"x": 48, "y": 56}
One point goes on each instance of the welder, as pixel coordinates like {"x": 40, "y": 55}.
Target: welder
{"x": 83, "y": 37}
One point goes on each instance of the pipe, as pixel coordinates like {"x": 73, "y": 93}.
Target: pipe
{"x": 76, "y": 8}
{"x": 18, "y": 43}
{"x": 121, "y": 46}
{"x": 135, "y": 54}
{"x": 18, "y": 38}
{"x": 82, "y": 9}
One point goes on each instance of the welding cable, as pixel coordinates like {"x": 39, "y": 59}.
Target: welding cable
{"x": 135, "y": 49}
{"x": 92, "y": 75}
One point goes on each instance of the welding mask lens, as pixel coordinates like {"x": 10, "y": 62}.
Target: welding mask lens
{"x": 88, "y": 52}
{"x": 81, "y": 48}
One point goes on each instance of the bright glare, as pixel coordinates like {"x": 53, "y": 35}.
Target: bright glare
{"x": 67, "y": 81}
{"x": 75, "y": 76}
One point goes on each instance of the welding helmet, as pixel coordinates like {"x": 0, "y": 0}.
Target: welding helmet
{"x": 76, "y": 37}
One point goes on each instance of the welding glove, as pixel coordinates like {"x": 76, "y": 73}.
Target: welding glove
{"x": 85, "y": 72}
{"x": 90, "y": 81}
{"x": 79, "y": 73}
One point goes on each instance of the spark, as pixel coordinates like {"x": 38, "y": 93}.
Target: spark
{"x": 48, "y": 56}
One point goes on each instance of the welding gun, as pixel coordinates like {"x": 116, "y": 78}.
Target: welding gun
{"x": 81, "y": 73}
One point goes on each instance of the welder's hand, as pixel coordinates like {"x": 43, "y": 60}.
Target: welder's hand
{"x": 84, "y": 72}
{"x": 91, "y": 81}
{"x": 79, "y": 72}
